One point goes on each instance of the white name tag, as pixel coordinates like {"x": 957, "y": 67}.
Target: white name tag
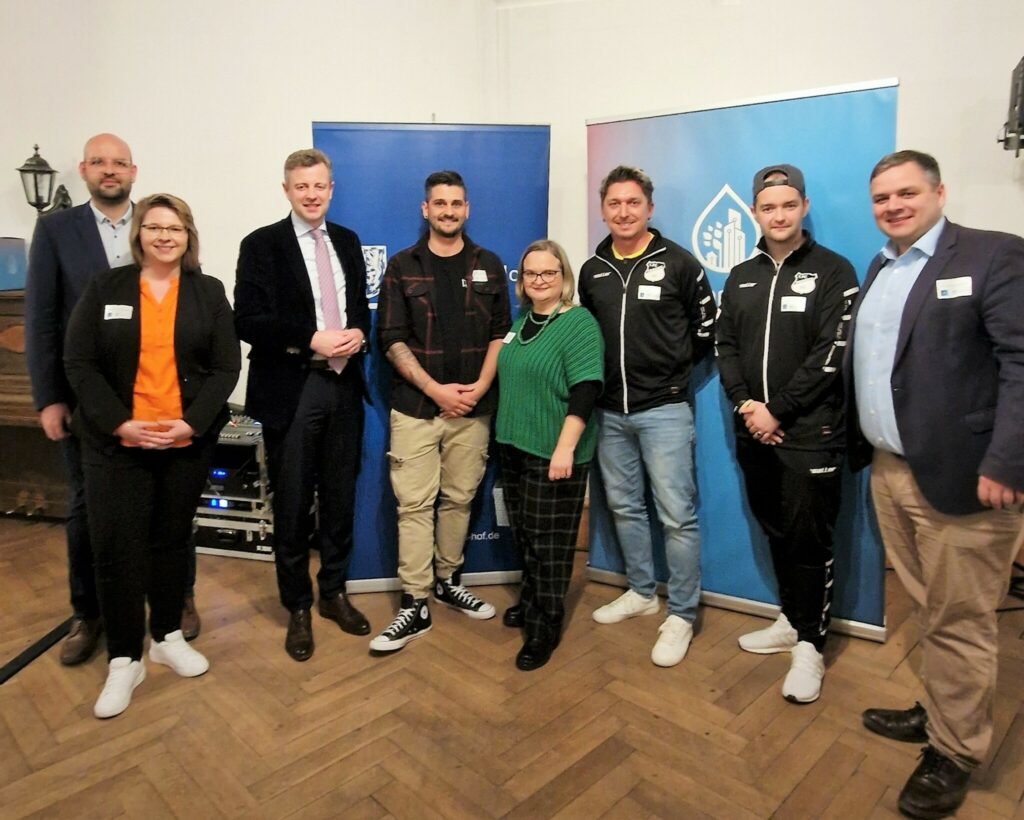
{"x": 794, "y": 304}
{"x": 954, "y": 288}
{"x": 602, "y": 275}
{"x": 649, "y": 293}
{"x": 479, "y": 276}
{"x": 117, "y": 312}
{"x": 508, "y": 337}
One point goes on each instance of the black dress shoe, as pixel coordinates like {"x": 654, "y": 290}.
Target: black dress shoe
{"x": 937, "y": 787}
{"x": 299, "y": 641}
{"x": 907, "y": 725}
{"x": 339, "y": 609}
{"x": 535, "y": 653}
{"x": 513, "y": 616}
{"x": 81, "y": 641}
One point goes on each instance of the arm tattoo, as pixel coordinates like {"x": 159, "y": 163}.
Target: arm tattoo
{"x": 404, "y": 361}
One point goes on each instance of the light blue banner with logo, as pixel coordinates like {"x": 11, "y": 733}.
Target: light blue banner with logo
{"x": 379, "y": 171}
{"x": 702, "y": 164}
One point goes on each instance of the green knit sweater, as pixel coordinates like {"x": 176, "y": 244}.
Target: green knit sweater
{"x": 534, "y": 381}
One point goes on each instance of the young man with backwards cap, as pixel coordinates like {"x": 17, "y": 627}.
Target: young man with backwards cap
{"x": 780, "y": 337}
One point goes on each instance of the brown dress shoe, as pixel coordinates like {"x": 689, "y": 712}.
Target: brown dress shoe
{"x": 339, "y": 609}
{"x": 81, "y": 641}
{"x": 299, "y": 641}
{"x": 190, "y": 620}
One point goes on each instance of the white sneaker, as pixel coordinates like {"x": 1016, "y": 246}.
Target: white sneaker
{"x": 174, "y": 652}
{"x": 803, "y": 682}
{"x": 628, "y": 605}
{"x": 123, "y": 675}
{"x": 674, "y": 638}
{"x": 779, "y": 637}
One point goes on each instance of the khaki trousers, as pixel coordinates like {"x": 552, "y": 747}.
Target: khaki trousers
{"x": 956, "y": 569}
{"x": 434, "y": 460}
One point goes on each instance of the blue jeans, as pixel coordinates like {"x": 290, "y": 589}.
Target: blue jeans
{"x": 660, "y": 442}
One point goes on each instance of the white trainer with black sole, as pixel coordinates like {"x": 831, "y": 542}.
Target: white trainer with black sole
{"x": 411, "y": 622}
{"x": 452, "y": 593}
{"x": 803, "y": 681}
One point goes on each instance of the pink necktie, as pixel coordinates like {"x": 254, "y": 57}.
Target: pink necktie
{"x": 328, "y": 294}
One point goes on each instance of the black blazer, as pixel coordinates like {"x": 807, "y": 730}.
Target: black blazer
{"x": 275, "y": 313}
{"x": 101, "y": 355}
{"x": 958, "y": 375}
{"x": 66, "y": 252}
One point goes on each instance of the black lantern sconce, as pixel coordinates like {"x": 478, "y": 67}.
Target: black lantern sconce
{"x": 37, "y": 178}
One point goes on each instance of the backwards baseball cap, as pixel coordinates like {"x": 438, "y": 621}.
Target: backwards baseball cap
{"x": 791, "y": 175}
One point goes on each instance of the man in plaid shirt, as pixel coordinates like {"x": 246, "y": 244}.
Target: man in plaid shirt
{"x": 441, "y": 317}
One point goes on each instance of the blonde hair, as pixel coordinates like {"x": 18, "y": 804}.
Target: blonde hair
{"x": 568, "y": 279}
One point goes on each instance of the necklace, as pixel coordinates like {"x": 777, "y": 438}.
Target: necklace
{"x": 532, "y": 320}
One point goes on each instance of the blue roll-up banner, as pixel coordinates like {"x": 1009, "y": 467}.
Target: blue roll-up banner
{"x": 702, "y": 164}
{"x": 379, "y": 171}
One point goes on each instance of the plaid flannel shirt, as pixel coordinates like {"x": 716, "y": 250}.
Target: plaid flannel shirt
{"x": 407, "y": 312}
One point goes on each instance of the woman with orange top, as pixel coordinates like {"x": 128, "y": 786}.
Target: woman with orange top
{"x": 152, "y": 356}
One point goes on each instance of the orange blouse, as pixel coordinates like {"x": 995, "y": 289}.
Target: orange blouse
{"x": 157, "y": 394}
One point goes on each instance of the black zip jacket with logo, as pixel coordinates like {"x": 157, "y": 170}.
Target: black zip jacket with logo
{"x": 780, "y": 338}
{"x": 657, "y": 322}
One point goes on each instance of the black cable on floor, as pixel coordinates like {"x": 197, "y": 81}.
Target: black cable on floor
{"x": 13, "y": 667}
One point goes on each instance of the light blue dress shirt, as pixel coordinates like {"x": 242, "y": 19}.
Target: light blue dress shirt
{"x": 115, "y": 235}
{"x": 876, "y": 333}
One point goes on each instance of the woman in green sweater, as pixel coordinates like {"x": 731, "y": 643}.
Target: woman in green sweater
{"x": 550, "y": 374}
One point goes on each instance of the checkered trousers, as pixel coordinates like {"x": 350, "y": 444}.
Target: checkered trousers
{"x": 545, "y": 517}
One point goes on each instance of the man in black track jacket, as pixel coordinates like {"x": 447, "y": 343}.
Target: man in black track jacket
{"x": 781, "y": 333}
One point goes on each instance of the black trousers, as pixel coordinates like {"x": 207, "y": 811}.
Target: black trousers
{"x": 795, "y": 497}
{"x": 545, "y": 517}
{"x": 85, "y": 602}
{"x": 141, "y": 504}
{"x": 319, "y": 451}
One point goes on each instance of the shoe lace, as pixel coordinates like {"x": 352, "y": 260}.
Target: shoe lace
{"x": 464, "y": 597}
{"x": 401, "y": 622}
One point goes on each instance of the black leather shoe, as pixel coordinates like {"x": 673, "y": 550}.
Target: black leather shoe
{"x": 81, "y": 641}
{"x": 299, "y": 641}
{"x": 339, "y": 609}
{"x": 535, "y": 653}
{"x": 513, "y": 616}
{"x": 907, "y": 725}
{"x": 937, "y": 787}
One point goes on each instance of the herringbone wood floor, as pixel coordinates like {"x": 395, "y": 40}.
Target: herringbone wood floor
{"x": 449, "y": 728}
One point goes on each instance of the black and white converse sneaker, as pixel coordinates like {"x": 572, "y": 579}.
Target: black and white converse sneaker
{"x": 412, "y": 621}
{"x": 455, "y": 595}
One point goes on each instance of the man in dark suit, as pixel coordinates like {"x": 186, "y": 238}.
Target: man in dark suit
{"x": 68, "y": 248}
{"x": 935, "y": 389}
{"x": 300, "y": 301}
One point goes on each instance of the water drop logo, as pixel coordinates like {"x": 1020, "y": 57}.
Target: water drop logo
{"x": 376, "y": 258}
{"x": 725, "y": 233}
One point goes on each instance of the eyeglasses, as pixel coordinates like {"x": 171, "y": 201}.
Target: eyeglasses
{"x": 173, "y": 230}
{"x": 119, "y": 164}
{"x": 540, "y": 275}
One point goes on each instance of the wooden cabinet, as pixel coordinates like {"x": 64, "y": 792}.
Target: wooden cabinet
{"x": 31, "y": 467}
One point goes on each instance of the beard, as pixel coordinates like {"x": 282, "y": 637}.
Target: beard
{"x": 114, "y": 196}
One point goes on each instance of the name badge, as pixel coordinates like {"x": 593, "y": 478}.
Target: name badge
{"x": 508, "y": 337}
{"x": 954, "y": 288}
{"x": 649, "y": 293}
{"x": 794, "y": 304}
{"x": 602, "y": 275}
{"x": 479, "y": 276}
{"x": 117, "y": 312}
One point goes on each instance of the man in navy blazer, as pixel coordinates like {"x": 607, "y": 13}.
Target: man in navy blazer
{"x": 300, "y": 302}
{"x": 68, "y": 248}
{"x": 935, "y": 382}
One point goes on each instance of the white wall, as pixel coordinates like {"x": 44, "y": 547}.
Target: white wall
{"x": 213, "y": 94}
{"x": 564, "y": 62}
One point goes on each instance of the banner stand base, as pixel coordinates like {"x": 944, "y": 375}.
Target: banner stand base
{"x": 470, "y": 579}
{"x": 842, "y": 626}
